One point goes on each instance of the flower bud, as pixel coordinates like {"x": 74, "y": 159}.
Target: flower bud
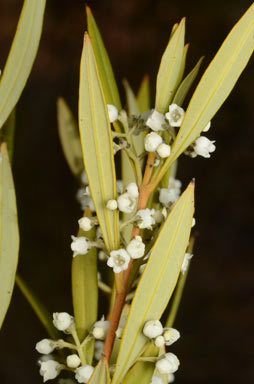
{"x": 126, "y": 203}
{"x": 62, "y": 321}
{"x": 159, "y": 341}
{"x": 100, "y": 329}
{"x": 45, "y": 346}
{"x": 50, "y": 369}
{"x": 84, "y": 373}
{"x": 112, "y": 113}
{"x": 155, "y": 121}
{"x": 85, "y": 223}
{"x": 152, "y": 141}
{"x": 163, "y": 150}
{"x": 73, "y": 361}
{"x": 170, "y": 335}
{"x": 152, "y": 329}
{"x": 80, "y": 245}
{"x": 168, "y": 364}
{"x": 203, "y": 147}
{"x": 132, "y": 190}
{"x": 136, "y": 248}
{"x": 145, "y": 218}
{"x": 207, "y": 127}
{"x": 112, "y": 204}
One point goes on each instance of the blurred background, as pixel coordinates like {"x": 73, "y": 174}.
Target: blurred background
{"x": 216, "y": 316}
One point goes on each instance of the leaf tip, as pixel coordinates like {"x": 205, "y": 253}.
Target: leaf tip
{"x": 88, "y": 10}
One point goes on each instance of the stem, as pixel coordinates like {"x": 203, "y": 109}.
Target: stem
{"x": 79, "y": 347}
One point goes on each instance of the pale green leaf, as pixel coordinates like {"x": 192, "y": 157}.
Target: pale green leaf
{"x": 69, "y": 137}
{"x": 100, "y": 374}
{"x": 185, "y": 85}
{"x": 21, "y": 56}
{"x": 216, "y": 84}
{"x": 7, "y": 133}
{"x": 170, "y": 67}
{"x": 104, "y": 66}
{"x": 9, "y": 233}
{"x": 143, "y": 96}
{"x": 132, "y": 104}
{"x": 157, "y": 282}
{"x": 182, "y": 66}
{"x": 38, "y": 307}
{"x": 85, "y": 292}
{"x": 97, "y": 145}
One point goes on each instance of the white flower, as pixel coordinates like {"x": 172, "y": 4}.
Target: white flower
{"x": 112, "y": 204}
{"x": 112, "y": 113}
{"x": 207, "y": 127}
{"x": 85, "y": 223}
{"x": 50, "y": 370}
{"x": 168, "y": 364}
{"x": 119, "y": 186}
{"x": 152, "y": 141}
{"x": 163, "y": 150}
{"x": 80, "y": 245}
{"x": 170, "y": 335}
{"x": 118, "y": 260}
{"x": 152, "y": 329}
{"x": 203, "y": 147}
{"x": 175, "y": 115}
{"x": 171, "y": 378}
{"x": 185, "y": 264}
{"x": 45, "y": 346}
{"x": 155, "y": 121}
{"x": 84, "y": 373}
{"x": 156, "y": 380}
{"x": 73, "y": 361}
{"x": 126, "y": 203}
{"x": 132, "y": 190}
{"x": 62, "y": 320}
{"x": 98, "y": 349}
{"x": 159, "y": 341}
{"x": 136, "y": 248}
{"x": 100, "y": 329}
{"x": 171, "y": 194}
{"x": 146, "y": 219}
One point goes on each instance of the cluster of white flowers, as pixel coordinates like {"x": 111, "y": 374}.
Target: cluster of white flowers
{"x": 145, "y": 218}
{"x": 153, "y": 142}
{"x": 127, "y": 201}
{"x": 169, "y": 195}
{"x": 154, "y": 330}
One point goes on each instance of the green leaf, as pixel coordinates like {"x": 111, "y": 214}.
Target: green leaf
{"x": 157, "y": 282}
{"x": 69, "y": 137}
{"x": 9, "y": 233}
{"x": 132, "y": 104}
{"x": 85, "y": 292}
{"x": 7, "y": 133}
{"x": 102, "y": 60}
{"x": 182, "y": 67}
{"x": 142, "y": 371}
{"x": 100, "y": 374}
{"x": 143, "y": 96}
{"x": 97, "y": 145}
{"x": 216, "y": 84}
{"x": 38, "y": 307}
{"x": 21, "y": 56}
{"x": 185, "y": 85}
{"x": 170, "y": 67}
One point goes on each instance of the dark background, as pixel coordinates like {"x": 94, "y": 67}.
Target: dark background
{"x": 216, "y": 316}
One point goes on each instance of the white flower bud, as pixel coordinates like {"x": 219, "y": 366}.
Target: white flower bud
{"x": 175, "y": 115}
{"x": 170, "y": 335}
{"x": 145, "y": 218}
{"x": 152, "y": 329}
{"x": 155, "y": 121}
{"x": 118, "y": 260}
{"x": 99, "y": 333}
{"x": 98, "y": 349}
{"x": 80, "y": 245}
{"x": 126, "y": 203}
{"x": 203, "y": 147}
{"x": 159, "y": 341}
{"x": 163, "y": 150}
{"x": 84, "y": 373}
{"x": 50, "y": 369}
{"x": 156, "y": 380}
{"x": 112, "y": 113}
{"x": 85, "y": 223}
{"x": 136, "y": 248}
{"x": 168, "y": 364}
{"x": 112, "y": 204}
{"x": 45, "y": 346}
{"x": 193, "y": 222}
{"x": 152, "y": 141}
{"x": 185, "y": 264}
{"x": 73, "y": 361}
{"x": 207, "y": 127}
{"x": 132, "y": 190}
{"x": 62, "y": 320}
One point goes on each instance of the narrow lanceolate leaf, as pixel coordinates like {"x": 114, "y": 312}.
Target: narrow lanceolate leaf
{"x": 39, "y": 308}
{"x": 100, "y": 374}
{"x": 143, "y": 96}
{"x": 157, "y": 282}
{"x": 170, "y": 67}
{"x": 216, "y": 83}
{"x": 104, "y": 66}
{"x": 69, "y": 137}
{"x": 97, "y": 145}
{"x": 185, "y": 85}
{"x": 85, "y": 292}
{"x": 9, "y": 233}
{"x": 182, "y": 67}
{"x": 142, "y": 371}
{"x": 21, "y": 56}
{"x": 132, "y": 104}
